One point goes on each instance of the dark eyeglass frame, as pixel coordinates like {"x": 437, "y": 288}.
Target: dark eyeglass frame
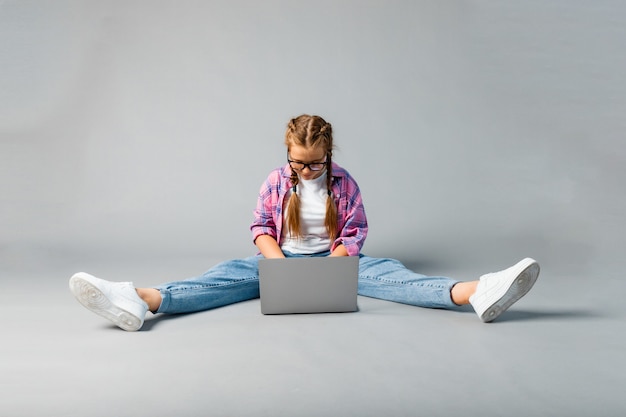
{"x": 313, "y": 166}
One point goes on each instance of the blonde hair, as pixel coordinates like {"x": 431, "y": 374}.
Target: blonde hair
{"x": 311, "y": 132}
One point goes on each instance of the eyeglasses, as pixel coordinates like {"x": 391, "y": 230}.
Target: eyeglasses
{"x": 313, "y": 166}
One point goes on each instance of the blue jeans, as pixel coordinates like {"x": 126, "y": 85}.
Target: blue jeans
{"x": 238, "y": 280}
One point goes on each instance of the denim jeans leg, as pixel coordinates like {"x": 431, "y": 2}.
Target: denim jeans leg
{"x": 388, "y": 279}
{"x": 226, "y": 283}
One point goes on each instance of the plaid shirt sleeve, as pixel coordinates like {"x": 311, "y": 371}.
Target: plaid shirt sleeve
{"x": 268, "y": 211}
{"x": 351, "y": 217}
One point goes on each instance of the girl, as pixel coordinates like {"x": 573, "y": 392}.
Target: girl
{"x": 309, "y": 207}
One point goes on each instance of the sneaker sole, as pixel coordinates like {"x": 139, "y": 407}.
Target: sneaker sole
{"x": 93, "y": 299}
{"x": 520, "y": 286}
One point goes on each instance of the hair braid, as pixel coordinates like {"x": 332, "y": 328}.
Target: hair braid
{"x": 331, "y": 210}
{"x": 293, "y": 208}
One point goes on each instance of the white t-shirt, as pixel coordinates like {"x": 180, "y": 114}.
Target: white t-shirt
{"x": 313, "y": 194}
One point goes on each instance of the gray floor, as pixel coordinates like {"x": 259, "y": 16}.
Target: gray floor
{"x": 557, "y": 352}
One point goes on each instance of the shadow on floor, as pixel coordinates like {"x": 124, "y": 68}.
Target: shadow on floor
{"x": 526, "y": 315}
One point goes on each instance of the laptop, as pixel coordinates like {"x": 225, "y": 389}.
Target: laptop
{"x": 308, "y": 285}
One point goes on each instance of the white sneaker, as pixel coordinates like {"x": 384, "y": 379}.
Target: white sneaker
{"x": 498, "y": 291}
{"x": 116, "y": 301}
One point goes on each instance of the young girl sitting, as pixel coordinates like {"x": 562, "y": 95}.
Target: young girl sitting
{"x": 309, "y": 207}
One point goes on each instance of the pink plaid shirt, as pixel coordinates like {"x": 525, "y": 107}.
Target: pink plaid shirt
{"x": 352, "y": 223}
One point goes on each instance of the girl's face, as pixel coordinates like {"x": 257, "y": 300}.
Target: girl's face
{"x": 308, "y": 156}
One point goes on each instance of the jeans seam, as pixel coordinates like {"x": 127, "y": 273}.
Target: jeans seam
{"x": 211, "y": 285}
{"x": 389, "y": 281}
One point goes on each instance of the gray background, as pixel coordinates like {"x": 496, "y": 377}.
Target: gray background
{"x": 134, "y": 136}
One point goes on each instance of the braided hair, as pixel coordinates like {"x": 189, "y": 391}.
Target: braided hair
{"x": 311, "y": 132}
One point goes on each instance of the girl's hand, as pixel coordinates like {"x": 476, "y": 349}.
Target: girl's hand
{"x": 339, "y": 251}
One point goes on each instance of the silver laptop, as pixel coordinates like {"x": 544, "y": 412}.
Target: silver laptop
{"x": 309, "y": 285}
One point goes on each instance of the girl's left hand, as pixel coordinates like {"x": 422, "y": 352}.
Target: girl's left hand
{"x": 339, "y": 251}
